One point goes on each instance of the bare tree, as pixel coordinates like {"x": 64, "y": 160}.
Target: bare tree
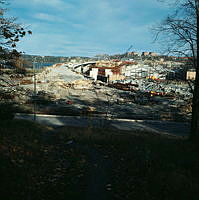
{"x": 179, "y": 33}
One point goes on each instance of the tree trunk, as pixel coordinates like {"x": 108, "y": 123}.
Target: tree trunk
{"x": 195, "y": 104}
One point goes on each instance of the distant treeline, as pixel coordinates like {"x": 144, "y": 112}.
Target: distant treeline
{"x": 60, "y": 59}
{"x": 52, "y": 59}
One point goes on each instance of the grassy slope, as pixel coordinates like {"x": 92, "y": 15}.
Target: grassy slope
{"x": 35, "y": 166}
{"x": 144, "y": 166}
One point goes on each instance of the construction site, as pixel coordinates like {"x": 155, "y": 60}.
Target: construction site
{"x": 113, "y": 89}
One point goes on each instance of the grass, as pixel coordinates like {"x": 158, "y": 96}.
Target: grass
{"x": 144, "y": 165}
{"x": 37, "y": 167}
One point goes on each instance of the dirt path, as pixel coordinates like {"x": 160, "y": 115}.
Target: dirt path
{"x": 97, "y": 174}
{"x": 98, "y": 167}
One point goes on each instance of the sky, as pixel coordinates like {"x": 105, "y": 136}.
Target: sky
{"x": 87, "y": 27}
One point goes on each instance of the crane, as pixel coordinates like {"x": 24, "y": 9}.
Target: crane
{"x": 129, "y": 48}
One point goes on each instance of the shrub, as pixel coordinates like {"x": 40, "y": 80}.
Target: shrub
{"x": 6, "y": 111}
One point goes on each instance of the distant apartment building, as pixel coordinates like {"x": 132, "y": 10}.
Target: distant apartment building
{"x": 153, "y": 54}
{"x": 132, "y": 53}
{"x": 145, "y": 53}
{"x": 149, "y": 54}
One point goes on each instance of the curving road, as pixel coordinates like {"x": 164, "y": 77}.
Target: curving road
{"x": 163, "y": 127}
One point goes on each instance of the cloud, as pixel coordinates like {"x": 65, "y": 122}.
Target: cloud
{"x": 48, "y": 17}
{"x": 43, "y": 4}
{"x": 48, "y": 2}
{"x": 55, "y": 4}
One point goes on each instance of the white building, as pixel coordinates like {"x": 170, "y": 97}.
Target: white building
{"x": 94, "y": 73}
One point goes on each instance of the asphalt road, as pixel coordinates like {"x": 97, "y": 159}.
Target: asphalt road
{"x": 164, "y": 127}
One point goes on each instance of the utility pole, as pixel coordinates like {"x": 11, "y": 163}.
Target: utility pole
{"x": 35, "y": 91}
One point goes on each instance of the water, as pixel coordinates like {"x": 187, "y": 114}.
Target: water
{"x": 42, "y": 65}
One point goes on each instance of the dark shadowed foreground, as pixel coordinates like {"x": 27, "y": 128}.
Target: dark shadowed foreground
{"x": 40, "y": 162}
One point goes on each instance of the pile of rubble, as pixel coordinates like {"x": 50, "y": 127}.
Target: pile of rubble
{"x": 58, "y": 79}
{"x": 180, "y": 90}
{"x": 58, "y": 72}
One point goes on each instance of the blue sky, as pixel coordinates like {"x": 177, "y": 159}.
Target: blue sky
{"x": 87, "y": 27}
